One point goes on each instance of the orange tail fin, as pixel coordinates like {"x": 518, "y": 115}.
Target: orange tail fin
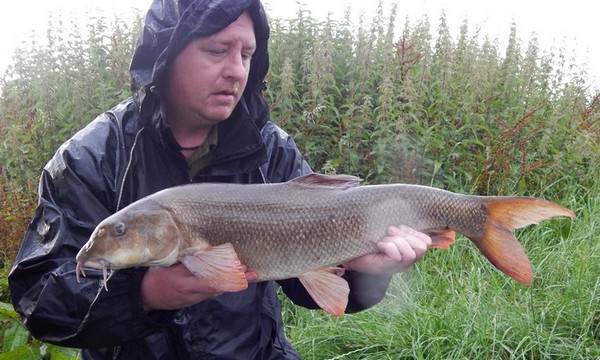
{"x": 505, "y": 214}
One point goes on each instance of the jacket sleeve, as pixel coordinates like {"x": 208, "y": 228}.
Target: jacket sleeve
{"x": 286, "y": 163}
{"x": 76, "y": 192}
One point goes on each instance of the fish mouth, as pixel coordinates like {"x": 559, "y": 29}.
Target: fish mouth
{"x": 99, "y": 264}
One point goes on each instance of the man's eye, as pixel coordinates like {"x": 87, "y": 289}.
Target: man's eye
{"x": 217, "y": 52}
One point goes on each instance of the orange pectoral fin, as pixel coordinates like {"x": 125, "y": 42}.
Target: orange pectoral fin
{"x": 219, "y": 267}
{"x": 441, "y": 238}
{"x": 328, "y": 289}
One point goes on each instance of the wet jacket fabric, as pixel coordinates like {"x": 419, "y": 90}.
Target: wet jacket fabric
{"x": 127, "y": 153}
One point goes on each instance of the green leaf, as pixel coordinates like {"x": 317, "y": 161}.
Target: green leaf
{"x": 8, "y": 310}
{"x": 24, "y": 352}
{"x": 14, "y": 337}
{"x": 61, "y": 353}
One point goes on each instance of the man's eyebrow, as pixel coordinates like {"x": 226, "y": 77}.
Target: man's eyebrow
{"x": 217, "y": 41}
{"x": 226, "y": 42}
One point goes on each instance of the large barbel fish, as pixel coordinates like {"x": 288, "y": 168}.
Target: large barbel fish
{"x": 302, "y": 228}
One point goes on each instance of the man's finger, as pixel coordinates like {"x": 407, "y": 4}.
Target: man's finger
{"x": 404, "y": 230}
{"x": 251, "y": 276}
{"x": 389, "y": 249}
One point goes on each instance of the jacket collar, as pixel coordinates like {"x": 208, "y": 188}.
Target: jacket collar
{"x": 240, "y": 147}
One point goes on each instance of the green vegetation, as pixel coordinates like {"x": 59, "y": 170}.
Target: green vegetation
{"x": 15, "y": 341}
{"x": 447, "y": 112}
{"x": 451, "y": 112}
{"x": 454, "y": 305}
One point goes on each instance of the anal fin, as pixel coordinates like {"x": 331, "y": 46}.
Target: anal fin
{"x": 441, "y": 238}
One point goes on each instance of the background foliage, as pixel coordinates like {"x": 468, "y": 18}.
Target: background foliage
{"x": 54, "y": 87}
{"x": 455, "y": 112}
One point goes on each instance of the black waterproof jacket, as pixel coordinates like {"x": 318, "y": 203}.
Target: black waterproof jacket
{"x": 127, "y": 153}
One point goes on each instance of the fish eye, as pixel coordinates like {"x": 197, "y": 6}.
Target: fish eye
{"x": 119, "y": 229}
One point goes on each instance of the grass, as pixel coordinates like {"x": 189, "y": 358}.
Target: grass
{"x": 455, "y": 305}
{"x": 452, "y": 305}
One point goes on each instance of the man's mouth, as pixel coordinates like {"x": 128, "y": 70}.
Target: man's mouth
{"x": 225, "y": 96}
{"x": 227, "y": 93}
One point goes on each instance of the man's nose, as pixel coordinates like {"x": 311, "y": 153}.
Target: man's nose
{"x": 236, "y": 67}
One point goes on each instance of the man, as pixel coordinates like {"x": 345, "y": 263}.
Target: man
{"x": 197, "y": 114}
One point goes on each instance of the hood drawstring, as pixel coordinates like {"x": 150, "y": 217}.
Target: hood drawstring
{"x": 137, "y": 135}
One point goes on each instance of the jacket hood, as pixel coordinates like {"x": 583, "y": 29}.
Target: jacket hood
{"x": 169, "y": 26}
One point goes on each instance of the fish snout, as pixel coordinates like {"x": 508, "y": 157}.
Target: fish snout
{"x": 98, "y": 264}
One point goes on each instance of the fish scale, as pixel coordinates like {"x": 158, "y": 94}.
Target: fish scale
{"x": 303, "y": 228}
{"x": 326, "y": 226}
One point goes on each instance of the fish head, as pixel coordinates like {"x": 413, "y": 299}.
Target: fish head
{"x": 138, "y": 235}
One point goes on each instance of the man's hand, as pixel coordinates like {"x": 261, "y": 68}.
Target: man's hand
{"x": 175, "y": 287}
{"x": 398, "y": 251}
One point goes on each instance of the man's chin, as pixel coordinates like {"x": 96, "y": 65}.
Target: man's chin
{"x": 220, "y": 114}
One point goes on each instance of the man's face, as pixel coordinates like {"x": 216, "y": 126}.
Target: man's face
{"x": 208, "y": 77}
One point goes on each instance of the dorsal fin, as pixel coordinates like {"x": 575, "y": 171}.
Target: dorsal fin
{"x": 341, "y": 182}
